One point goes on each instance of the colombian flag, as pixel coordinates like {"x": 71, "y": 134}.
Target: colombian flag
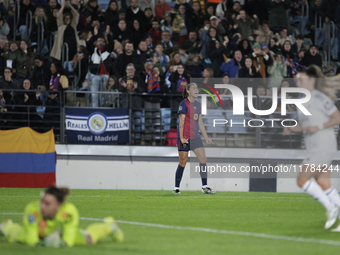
{"x": 27, "y": 158}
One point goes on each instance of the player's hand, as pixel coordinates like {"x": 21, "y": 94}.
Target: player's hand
{"x": 184, "y": 141}
{"x": 286, "y": 131}
{"x": 311, "y": 129}
{"x": 54, "y": 240}
{"x": 209, "y": 141}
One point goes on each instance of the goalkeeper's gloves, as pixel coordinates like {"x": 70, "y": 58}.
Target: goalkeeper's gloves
{"x": 54, "y": 240}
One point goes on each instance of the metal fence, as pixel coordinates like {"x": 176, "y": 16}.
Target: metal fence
{"x": 150, "y": 126}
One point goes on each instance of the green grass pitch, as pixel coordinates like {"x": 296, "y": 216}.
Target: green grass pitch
{"x": 276, "y": 214}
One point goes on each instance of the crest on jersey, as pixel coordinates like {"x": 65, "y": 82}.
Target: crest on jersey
{"x": 180, "y": 108}
{"x": 195, "y": 116}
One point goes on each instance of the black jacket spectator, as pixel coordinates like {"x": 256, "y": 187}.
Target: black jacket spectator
{"x": 95, "y": 53}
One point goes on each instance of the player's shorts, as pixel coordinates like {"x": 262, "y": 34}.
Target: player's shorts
{"x": 317, "y": 158}
{"x": 191, "y": 145}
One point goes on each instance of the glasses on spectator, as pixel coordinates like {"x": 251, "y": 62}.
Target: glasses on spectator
{"x": 130, "y": 69}
{"x": 27, "y": 82}
{"x": 7, "y": 72}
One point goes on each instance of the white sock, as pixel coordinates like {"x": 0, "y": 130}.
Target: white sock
{"x": 333, "y": 195}
{"x": 314, "y": 190}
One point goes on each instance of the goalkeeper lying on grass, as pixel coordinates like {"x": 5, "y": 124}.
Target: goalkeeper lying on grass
{"x": 53, "y": 222}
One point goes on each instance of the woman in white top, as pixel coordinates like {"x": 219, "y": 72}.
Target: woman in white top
{"x": 320, "y": 140}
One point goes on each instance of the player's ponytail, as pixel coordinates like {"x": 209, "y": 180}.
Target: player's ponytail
{"x": 59, "y": 193}
{"x": 185, "y": 91}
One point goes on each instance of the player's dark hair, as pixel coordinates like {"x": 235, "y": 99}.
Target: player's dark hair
{"x": 185, "y": 91}
{"x": 59, "y": 193}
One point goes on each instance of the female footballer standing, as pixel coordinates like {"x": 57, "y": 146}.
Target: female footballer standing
{"x": 190, "y": 121}
{"x": 320, "y": 140}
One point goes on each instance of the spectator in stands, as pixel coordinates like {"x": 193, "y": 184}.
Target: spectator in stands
{"x": 51, "y": 27}
{"x": 194, "y": 65}
{"x": 301, "y": 55}
{"x": 58, "y": 84}
{"x": 152, "y": 103}
{"x": 283, "y": 36}
{"x": 246, "y": 24}
{"x": 197, "y": 15}
{"x": 232, "y": 13}
{"x": 277, "y": 13}
{"x": 312, "y": 57}
{"x": 67, "y": 32}
{"x": 3, "y": 48}
{"x": 120, "y": 33}
{"x": 134, "y": 12}
{"x": 162, "y": 58}
{"x": 39, "y": 16}
{"x": 155, "y": 31}
{"x": 192, "y": 44}
{"x": 95, "y": 10}
{"x": 7, "y": 82}
{"x": 315, "y": 9}
{"x": 264, "y": 33}
{"x": 175, "y": 59}
{"x": 250, "y": 75}
{"x": 143, "y": 4}
{"x": 136, "y": 33}
{"x": 161, "y": 8}
{"x": 261, "y": 60}
{"x": 149, "y": 39}
{"x": 298, "y": 45}
{"x": 222, "y": 8}
{"x": 100, "y": 62}
{"x": 217, "y": 53}
{"x": 214, "y": 22}
{"x": 149, "y": 19}
{"x": 132, "y": 83}
{"x": 112, "y": 100}
{"x": 42, "y": 74}
{"x": 4, "y": 27}
{"x": 129, "y": 56}
{"x": 23, "y": 105}
{"x": 24, "y": 59}
{"x": 25, "y": 7}
{"x": 183, "y": 54}
{"x": 245, "y": 47}
{"x": 181, "y": 25}
{"x": 273, "y": 46}
{"x": 288, "y": 55}
{"x": 50, "y": 6}
{"x": 169, "y": 46}
{"x": 206, "y": 37}
{"x": 210, "y": 12}
{"x": 111, "y": 14}
{"x": 232, "y": 66}
{"x": 166, "y": 23}
{"x": 80, "y": 62}
{"x": 179, "y": 79}
{"x": 277, "y": 71}
{"x": 143, "y": 50}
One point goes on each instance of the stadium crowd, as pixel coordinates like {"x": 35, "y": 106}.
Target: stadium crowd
{"x": 156, "y": 48}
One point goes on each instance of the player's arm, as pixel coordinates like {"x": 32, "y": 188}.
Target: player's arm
{"x": 333, "y": 121}
{"x": 30, "y": 235}
{"x": 70, "y": 227}
{"x": 202, "y": 129}
{"x": 181, "y": 128}
{"x": 288, "y": 130}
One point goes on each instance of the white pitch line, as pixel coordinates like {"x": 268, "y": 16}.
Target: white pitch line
{"x": 219, "y": 231}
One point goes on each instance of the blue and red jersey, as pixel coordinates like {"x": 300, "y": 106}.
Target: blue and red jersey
{"x": 192, "y": 112}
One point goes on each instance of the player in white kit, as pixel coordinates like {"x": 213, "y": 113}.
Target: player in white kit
{"x": 320, "y": 141}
